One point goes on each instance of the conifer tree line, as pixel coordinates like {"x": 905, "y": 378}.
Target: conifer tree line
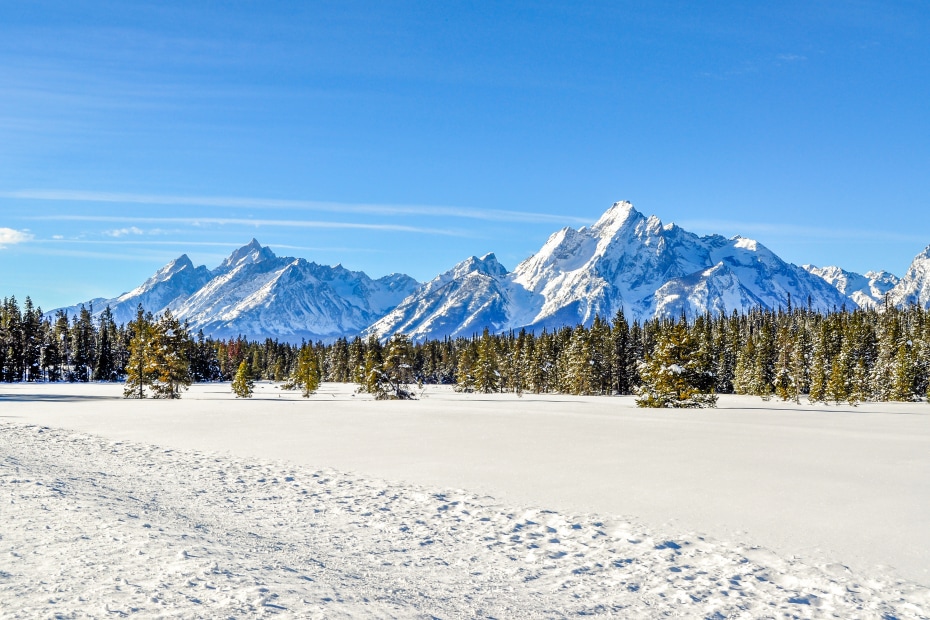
{"x": 841, "y": 356}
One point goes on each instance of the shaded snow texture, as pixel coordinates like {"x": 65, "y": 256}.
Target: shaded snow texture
{"x": 117, "y": 528}
{"x": 624, "y": 261}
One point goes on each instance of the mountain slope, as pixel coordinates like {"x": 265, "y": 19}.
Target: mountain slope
{"x": 259, "y": 295}
{"x": 866, "y": 291}
{"x": 174, "y": 281}
{"x": 914, "y": 287}
{"x": 464, "y": 300}
{"x": 625, "y": 260}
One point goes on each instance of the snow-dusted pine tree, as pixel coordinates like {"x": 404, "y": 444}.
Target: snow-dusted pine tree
{"x": 669, "y": 374}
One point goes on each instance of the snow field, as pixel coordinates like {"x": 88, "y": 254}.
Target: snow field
{"x": 212, "y": 506}
{"x": 100, "y": 528}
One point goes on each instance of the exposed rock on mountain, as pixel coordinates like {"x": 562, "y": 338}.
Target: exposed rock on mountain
{"x": 866, "y": 291}
{"x": 914, "y": 287}
{"x": 625, "y": 260}
{"x": 257, "y": 294}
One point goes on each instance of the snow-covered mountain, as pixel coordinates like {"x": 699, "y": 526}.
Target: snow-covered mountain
{"x": 625, "y": 260}
{"x": 176, "y": 280}
{"x": 866, "y": 291}
{"x": 914, "y": 287}
{"x": 257, "y": 294}
{"x": 475, "y": 294}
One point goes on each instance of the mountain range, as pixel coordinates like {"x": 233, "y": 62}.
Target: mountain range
{"x": 624, "y": 261}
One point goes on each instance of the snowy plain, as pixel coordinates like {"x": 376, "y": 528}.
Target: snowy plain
{"x": 458, "y": 506}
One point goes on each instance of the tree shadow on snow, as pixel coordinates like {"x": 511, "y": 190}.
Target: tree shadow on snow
{"x": 53, "y": 398}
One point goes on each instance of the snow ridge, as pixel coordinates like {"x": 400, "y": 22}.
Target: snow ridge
{"x": 257, "y": 294}
{"x": 625, "y": 261}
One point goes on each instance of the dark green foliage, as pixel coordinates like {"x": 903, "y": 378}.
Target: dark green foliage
{"x": 843, "y": 356}
{"x": 676, "y": 373}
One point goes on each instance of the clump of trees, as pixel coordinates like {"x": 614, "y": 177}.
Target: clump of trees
{"x": 387, "y": 371}
{"x": 159, "y": 357}
{"x": 845, "y": 356}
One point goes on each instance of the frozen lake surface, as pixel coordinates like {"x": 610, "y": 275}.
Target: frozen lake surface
{"x": 458, "y": 505}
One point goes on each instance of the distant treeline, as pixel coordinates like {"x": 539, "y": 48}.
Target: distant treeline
{"x": 841, "y": 356}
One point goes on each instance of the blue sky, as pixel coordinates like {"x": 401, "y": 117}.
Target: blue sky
{"x": 407, "y": 136}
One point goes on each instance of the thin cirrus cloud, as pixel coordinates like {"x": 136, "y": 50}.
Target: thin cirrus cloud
{"x": 122, "y": 232}
{"x": 305, "y": 205}
{"x": 225, "y": 221}
{"x": 11, "y": 236}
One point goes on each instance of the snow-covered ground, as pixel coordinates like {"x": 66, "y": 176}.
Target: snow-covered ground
{"x": 457, "y": 506}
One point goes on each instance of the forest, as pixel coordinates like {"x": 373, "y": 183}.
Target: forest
{"x": 841, "y": 356}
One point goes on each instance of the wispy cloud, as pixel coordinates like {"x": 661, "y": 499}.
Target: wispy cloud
{"x": 122, "y": 232}
{"x": 10, "y": 236}
{"x": 305, "y": 205}
{"x": 791, "y": 57}
{"x": 257, "y": 223}
{"x": 188, "y": 243}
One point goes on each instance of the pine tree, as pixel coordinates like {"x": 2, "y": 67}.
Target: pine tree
{"x": 396, "y": 370}
{"x": 105, "y": 367}
{"x": 486, "y": 373}
{"x": 820, "y": 365}
{"x": 170, "y": 350}
{"x": 141, "y": 368}
{"x": 82, "y": 345}
{"x": 242, "y": 384}
{"x": 307, "y": 372}
{"x": 31, "y": 344}
{"x": 577, "y": 363}
{"x": 669, "y": 376}
{"x": 465, "y": 368}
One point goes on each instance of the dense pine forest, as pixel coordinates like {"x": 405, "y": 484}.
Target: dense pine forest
{"x": 842, "y": 356}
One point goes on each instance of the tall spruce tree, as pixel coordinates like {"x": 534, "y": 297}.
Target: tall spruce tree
{"x": 171, "y": 348}
{"x": 141, "y": 368}
{"x": 669, "y": 373}
{"x": 306, "y": 376}
{"x": 242, "y": 384}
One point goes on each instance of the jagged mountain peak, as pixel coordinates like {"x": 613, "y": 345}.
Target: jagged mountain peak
{"x": 252, "y": 252}
{"x": 173, "y": 267}
{"x": 486, "y": 265}
{"x": 867, "y": 291}
{"x": 619, "y": 214}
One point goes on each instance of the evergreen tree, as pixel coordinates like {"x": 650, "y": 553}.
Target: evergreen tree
{"x": 486, "y": 371}
{"x": 396, "y": 370}
{"x": 82, "y": 346}
{"x": 31, "y": 344}
{"x": 465, "y": 368}
{"x": 306, "y": 375}
{"x": 141, "y": 368}
{"x": 670, "y": 378}
{"x": 170, "y": 350}
{"x": 242, "y": 384}
{"x": 105, "y": 367}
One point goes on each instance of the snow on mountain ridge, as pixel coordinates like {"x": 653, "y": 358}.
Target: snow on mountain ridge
{"x": 257, "y": 294}
{"x": 914, "y": 287}
{"x": 625, "y": 260}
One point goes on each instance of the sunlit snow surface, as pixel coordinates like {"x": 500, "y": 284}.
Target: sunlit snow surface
{"x": 214, "y": 507}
